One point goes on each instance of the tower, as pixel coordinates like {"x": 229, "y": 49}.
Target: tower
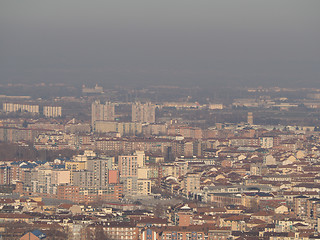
{"x": 100, "y": 169}
{"x": 144, "y": 113}
{"x": 102, "y": 112}
{"x": 128, "y": 167}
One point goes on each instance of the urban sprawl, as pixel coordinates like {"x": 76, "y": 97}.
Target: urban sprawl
{"x": 137, "y": 164}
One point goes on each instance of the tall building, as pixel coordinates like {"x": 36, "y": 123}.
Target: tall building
{"x": 52, "y": 111}
{"x": 143, "y": 112}
{"x": 144, "y": 186}
{"x": 100, "y": 169}
{"x": 128, "y": 167}
{"x": 134, "y": 174}
{"x": 102, "y": 112}
{"x": 82, "y": 178}
{"x": 141, "y": 158}
{"x": 191, "y": 183}
{"x": 5, "y": 175}
{"x": 16, "y": 107}
{"x": 75, "y": 165}
{"x": 42, "y": 183}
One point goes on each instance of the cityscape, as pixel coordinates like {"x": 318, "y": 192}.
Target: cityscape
{"x": 91, "y": 166}
{"x": 159, "y": 120}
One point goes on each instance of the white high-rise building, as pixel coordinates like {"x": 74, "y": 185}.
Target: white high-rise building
{"x": 99, "y": 168}
{"x": 102, "y": 112}
{"x": 16, "y": 107}
{"x": 128, "y": 168}
{"x": 52, "y": 111}
{"x": 145, "y": 113}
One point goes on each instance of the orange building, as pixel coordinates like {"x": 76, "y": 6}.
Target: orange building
{"x": 114, "y": 177}
{"x": 68, "y": 192}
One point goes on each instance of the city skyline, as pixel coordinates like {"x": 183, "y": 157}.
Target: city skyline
{"x": 159, "y": 120}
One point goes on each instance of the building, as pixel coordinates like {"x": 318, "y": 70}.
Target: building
{"x": 198, "y": 232}
{"x": 128, "y": 167}
{"x": 114, "y": 177}
{"x": 191, "y": 183}
{"x": 5, "y": 175}
{"x": 122, "y": 128}
{"x": 118, "y": 231}
{"x": 144, "y": 113}
{"x": 16, "y": 107}
{"x": 266, "y": 142}
{"x": 73, "y": 166}
{"x": 52, "y": 111}
{"x": 60, "y": 176}
{"x": 67, "y": 192}
{"x": 100, "y": 170}
{"x": 144, "y": 186}
{"x": 102, "y": 112}
{"x": 82, "y": 178}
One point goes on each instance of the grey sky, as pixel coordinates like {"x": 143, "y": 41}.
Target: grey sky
{"x": 242, "y": 42}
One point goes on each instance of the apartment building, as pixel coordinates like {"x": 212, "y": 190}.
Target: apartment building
{"x": 52, "y": 111}
{"x": 144, "y": 113}
{"x": 17, "y": 107}
{"x": 102, "y": 112}
{"x": 128, "y": 167}
{"x": 122, "y": 128}
{"x": 100, "y": 169}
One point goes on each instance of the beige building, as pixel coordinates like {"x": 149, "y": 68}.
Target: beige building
{"x": 144, "y": 113}
{"x": 154, "y": 129}
{"x": 144, "y": 186}
{"x": 191, "y": 183}
{"x": 143, "y": 173}
{"x": 169, "y": 169}
{"x": 102, "y": 112}
{"x": 129, "y": 171}
{"x": 123, "y": 128}
{"x": 141, "y": 158}
{"x": 266, "y": 142}
{"x": 60, "y": 177}
{"x": 16, "y": 107}
{"x": 52, "y": 111}
{"x": 73, "y": 166}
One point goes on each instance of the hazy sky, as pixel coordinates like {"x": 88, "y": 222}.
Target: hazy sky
{"x": 205, "y": 42}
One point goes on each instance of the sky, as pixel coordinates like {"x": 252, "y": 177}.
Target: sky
{"x": 177, "y": 42}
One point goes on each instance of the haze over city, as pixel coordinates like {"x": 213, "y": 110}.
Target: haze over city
{"x": 159, "y": 120}
{"x": 134, "y": 43}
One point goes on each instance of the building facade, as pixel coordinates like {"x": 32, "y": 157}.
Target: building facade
{"x": 143, "y": 112}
